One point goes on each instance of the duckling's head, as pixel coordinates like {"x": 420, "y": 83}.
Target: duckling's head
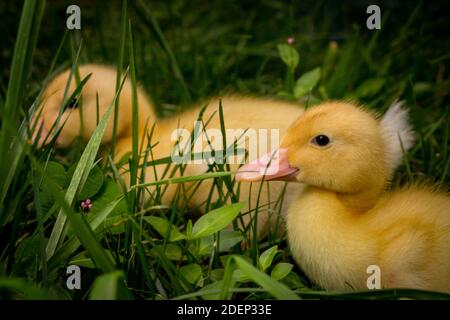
{"x": 336, "y": 146}
{"x": 96, "y": 96}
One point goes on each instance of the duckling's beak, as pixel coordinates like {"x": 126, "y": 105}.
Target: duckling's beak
{"x": 271, "y": 166}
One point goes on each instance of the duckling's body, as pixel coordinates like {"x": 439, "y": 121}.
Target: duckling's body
{"x": 406, "y": 234}
{"x": 239, "y": 113}
{"x": 259, "y": 114}
{"x": 344, "y": 221}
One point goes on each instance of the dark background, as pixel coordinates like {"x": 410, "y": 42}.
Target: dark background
{"x": 222, "y": 45}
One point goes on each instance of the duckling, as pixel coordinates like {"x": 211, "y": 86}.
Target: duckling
{"x": 101, "y": 84}
{"x": 240, "y": 112}
{"x": 345, "y": 220}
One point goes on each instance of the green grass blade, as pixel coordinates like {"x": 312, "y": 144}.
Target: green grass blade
{"x": 79, "y": 178}
{"x": 135, "y": 123}
{"x": 110, "y": 286}
{"x": 119, "y": 67}
{"x": 147, "y": 16}
{"x": 275, "y": 288}
{"x": 20, "y": 68}
{"x": 19, "y": 74}
{"x": 24, "y": 289}
{"x": 199, "y": 177}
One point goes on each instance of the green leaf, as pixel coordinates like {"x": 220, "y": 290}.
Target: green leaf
{"x": 24, "y": 289}
{"x": 369, "y": 87}
{"x": 93, "y": 183}
{"x": 215, "y": 220}
{"x": 275, "y": 288}
{"x": 162, "y": 226}
{"x": 83, "y": 260}
{"x": 172, "y": 252}
{"x": 225, "y": 257}
{"x": 266, "y": 258}
{"x": 27, "y": 249}
{"x": 240, "y": 276}
{"x": 227, "y": 239}
{"x": 217, "y": 274}
{"x": 293, "y": 281}
{"x": 114, "y": 225}
{"x": 306, "y": 83}
{"x": 284, "y": 94}
{"x": 56, "y": 172}
{"x": 110, "y": 286}
{"x": 289, "y": 55}
{"x": 189, "y": 229}
{"x": 27, "y": 256}
{"x": 108, "y": 195}
{"x": 73, "y": 242}
{"x": 212, "y": 287}
{"x": 192, "y": 273}
{"x": 281, "y": 270}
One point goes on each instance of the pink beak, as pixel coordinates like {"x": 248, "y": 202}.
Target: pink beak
{"x": 271, "y": 166}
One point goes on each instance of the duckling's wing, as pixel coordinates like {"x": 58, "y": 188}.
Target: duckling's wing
{"x": 397, "y": 133}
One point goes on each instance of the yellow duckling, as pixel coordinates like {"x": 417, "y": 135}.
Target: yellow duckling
{"x": 345, "y": 221}
{"x": 240, "y": 113}
{"x": 102, "y": 83}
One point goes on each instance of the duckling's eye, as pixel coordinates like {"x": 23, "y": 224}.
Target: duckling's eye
{"x": 321, "y": 140}
{"x": 73, "y": 103}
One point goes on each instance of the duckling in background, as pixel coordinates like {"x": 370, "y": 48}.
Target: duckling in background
{"x": 239, "y": 113}
{"x": 102, "y": 83}
{"x": 344, "y": 220}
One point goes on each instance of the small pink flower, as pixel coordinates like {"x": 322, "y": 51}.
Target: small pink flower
{"x": 86, "y": 205}
{"x": 290, "y": 40}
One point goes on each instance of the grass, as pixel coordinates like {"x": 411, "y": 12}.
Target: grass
{"x": 131, "y": 248}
